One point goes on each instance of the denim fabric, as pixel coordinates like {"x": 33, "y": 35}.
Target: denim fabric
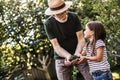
{"x": 102, "y": 75}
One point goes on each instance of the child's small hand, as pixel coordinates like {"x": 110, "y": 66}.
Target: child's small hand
{"x": 81, "y": 59}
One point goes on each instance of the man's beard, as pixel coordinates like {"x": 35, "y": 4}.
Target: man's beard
{"x": 61, "y": 20}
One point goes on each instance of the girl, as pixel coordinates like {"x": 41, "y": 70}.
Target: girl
{"x": 95, "y": 51}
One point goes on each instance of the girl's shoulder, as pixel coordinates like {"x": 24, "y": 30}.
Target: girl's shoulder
{"x": 100, "y": 43}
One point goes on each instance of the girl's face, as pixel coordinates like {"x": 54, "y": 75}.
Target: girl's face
{"x": 88, "y": 33}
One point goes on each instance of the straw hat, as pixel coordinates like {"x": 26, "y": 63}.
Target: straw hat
{"x": 57, "y": 6}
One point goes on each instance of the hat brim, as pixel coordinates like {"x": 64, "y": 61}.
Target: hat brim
{"x": 51, "y": 12}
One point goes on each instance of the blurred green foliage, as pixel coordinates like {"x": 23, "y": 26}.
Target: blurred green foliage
{"x": 23, "y": 39}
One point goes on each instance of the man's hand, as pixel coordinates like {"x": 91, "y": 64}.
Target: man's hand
{"x": 67, "y": 62}
{"x": 74, "y": 59}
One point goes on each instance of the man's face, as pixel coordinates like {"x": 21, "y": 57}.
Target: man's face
{"x": 61, "y": 16}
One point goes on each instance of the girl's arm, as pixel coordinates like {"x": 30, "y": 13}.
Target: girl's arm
{"x": 99, "y": 55}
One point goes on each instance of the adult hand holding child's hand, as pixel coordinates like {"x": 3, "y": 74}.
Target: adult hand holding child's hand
{"x": 81, "y": 59}
{"x": 72, "y": 60}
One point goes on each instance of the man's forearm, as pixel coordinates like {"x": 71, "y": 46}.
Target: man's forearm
{"x": 81, "y": 44}
{"x": 62, "y": 52}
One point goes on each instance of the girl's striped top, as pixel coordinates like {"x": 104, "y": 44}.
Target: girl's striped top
{"x": 95, "y": 65}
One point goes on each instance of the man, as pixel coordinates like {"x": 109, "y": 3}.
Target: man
{"x": 65, "y": 33}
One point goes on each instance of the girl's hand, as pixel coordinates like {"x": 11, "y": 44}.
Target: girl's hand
{"x": 81, "y": 59}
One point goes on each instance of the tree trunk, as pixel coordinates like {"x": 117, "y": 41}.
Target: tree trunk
{"x": 47, "y": 75}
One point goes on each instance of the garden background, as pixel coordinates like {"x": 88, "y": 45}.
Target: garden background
{"x": 25, "y": 51}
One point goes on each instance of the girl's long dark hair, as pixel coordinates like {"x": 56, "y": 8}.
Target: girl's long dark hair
{"x": 99, "y": 33}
